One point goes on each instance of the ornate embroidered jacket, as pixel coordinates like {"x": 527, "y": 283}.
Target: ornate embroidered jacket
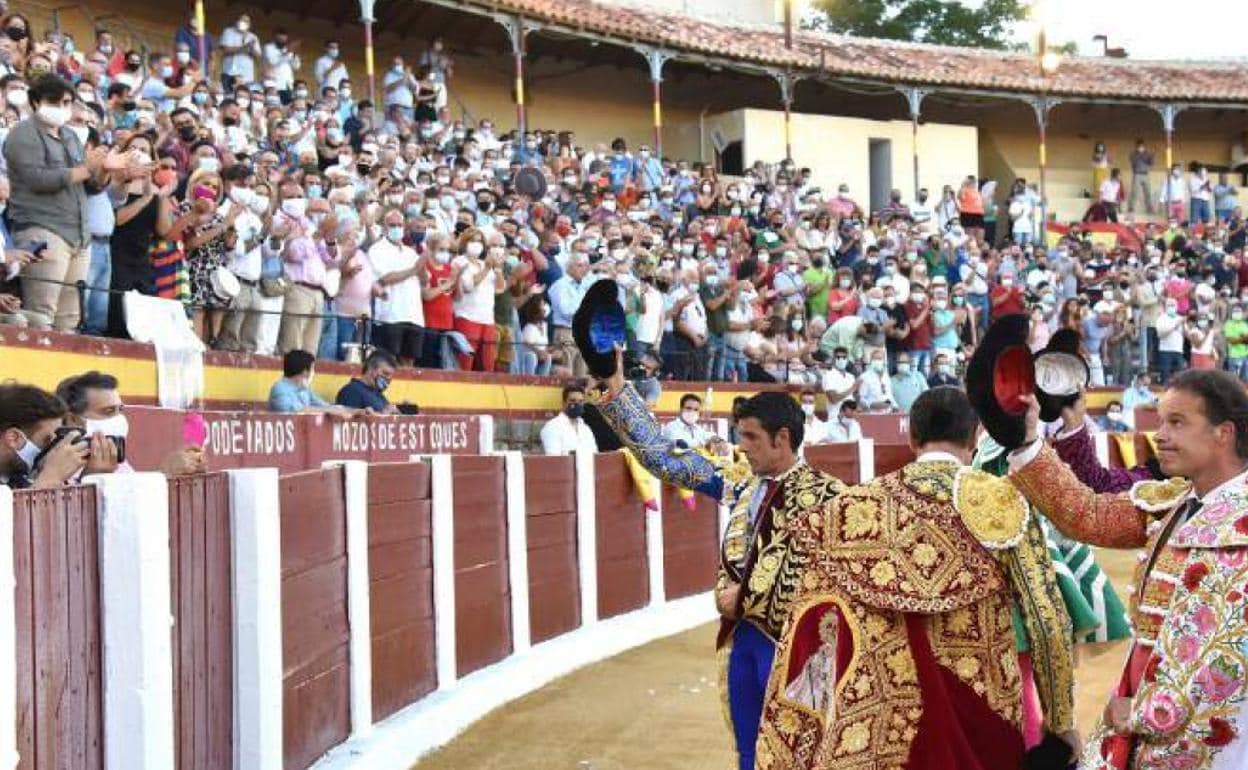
{"x": 898, "y": 653}
{"x": 1186, "y": 673}
{"x": 759, "y": 554}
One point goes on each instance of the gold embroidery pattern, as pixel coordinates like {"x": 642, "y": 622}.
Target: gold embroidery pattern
{"x": 978, "y": 646}
{"x": 1150, "y": 596}
{"x": 1159, "y": 496}
{"x": 897, "y": 543}
{"x": 1048, "y": 625}
{"x": 878, "y": 704}
{"x": 784, "y": 553}
{"x": 993, "y": 510}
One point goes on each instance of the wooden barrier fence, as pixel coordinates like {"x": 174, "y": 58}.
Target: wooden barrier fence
{"x": 349, "y": 616}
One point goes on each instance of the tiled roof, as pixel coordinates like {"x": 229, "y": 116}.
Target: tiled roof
{"x": 890, "y": 61}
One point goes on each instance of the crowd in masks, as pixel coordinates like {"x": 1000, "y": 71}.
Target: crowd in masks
{"x": 289, "y": 215}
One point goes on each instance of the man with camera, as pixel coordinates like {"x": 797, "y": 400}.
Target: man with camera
{"x": 36, "y": 449}
{"x": 95, "y": 410}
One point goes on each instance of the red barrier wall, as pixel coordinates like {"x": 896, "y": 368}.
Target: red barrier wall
{"x": 315, "y": 700}
{"x": 400, "y": 567}
{"x": 299, "y": 442}
{"x": 59, "y": 708}
{"x": 203, "y": 647}
{"x": 841, "y": 460}
{"x": 690, "y": 544}
{"x": 623, "y": 571}
{"x": 891, "y": 457}
{"x": 482, "y": 586}
{"x": 550, "y": 534}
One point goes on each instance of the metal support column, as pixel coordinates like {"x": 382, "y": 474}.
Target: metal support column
{"x": 787, "y": 81}
{"x": 1169, "y": 114}
{"x": 202, "y": 28}
{"x": 914, "y": 99}
{"x": 370, "y": 63}
{"x": 1042, "y": 105}
{"x": 655, "y": 59}
{"x": 516, "y": 30}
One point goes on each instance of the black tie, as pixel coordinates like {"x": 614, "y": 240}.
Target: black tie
{"x": 1190, "y": 510}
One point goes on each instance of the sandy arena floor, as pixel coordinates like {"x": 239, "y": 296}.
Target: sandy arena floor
{"x": 657, "y": 708}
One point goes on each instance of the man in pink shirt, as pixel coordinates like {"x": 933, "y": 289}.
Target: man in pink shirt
{"x": 305, "y": 259}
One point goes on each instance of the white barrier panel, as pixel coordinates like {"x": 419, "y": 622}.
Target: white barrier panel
{"x": 359, "y": 615}
{"x": 135, "y": 612}
{"x": 654, "y": 546}
{"x": 255, "y": 522}
{"x": 442, "y": 526}
{"x": 517, "y": 550}
{"x": 587, "y": 536}
{"x": 8, "y": 636}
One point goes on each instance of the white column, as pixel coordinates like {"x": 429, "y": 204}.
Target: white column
{"x": 866, "y": 460}
{"x": 135, "y": 615}
{"x": 1100, "y": 441}
{"x": 485, "y": 436}
{"x": 255, "y": 559}
{"x": 517, "y": 550}
{"x": 587, "y": 536}
{"x": 359, "y": 618}
{"x": 442, "y": 526}
{"x": 654, "y": 546}
{"x": 8, "y": 635}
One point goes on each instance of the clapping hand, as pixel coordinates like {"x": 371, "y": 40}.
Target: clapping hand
{"x": 10, "y": 304}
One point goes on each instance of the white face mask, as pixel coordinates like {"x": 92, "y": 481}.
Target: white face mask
{"x": 82, "y": 132}
{"x": 442, "y": 257}
{"x": 903, "y": 368}
{"x": 117, "y": 425}
{"x": 295, "y": 207}
{"x": 54, "y": 115}
{"x": 28, "y": 453}
{"x": 473, "y": 249}
{"x": 808, "y": 409}
{"x": 690, "y": 416}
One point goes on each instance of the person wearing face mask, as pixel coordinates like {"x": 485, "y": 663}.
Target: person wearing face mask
{"x": 907, "y": 383}
{"x": 155, "y": 87}
{"x": 685, "y": 430}
{"x": 1170, "y": 338}
{"x": 1112, "y": 421}
{"x": 481, "y": 279}
{"x": 280, "y": 64}
{"x": 400, "y": 87}
{"x": 1236, "y": 332}
{"x": 943, "y": 373}
{"x": 716, "y": 295}
{"x": 399, "y": 307}
{"x": 305, "y": 259}
{"x": 816, "y": 430}
{"x": 1200, "y": 334}
{"x": 566, "y": 432}
{"x": 367, "y": 391}
{"x": 29, "y": 418}
{"x": 919, "y": 318}
{"x": 95, "y": 405}
{"x": 875, "y": 387}
{"x": 240, "y": 51}
{"x": 684, "y": 350}
{"x": 52, "y": 174}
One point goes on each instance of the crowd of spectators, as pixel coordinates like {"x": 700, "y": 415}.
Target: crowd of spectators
{"x": 289, "y": 214}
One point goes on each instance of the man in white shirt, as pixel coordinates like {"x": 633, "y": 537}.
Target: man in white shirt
{"x": 921, "y": 212}
{"x": 280, "y": 64}
{"x": 816, "y": 430}
{"x": 400, "y": 310}
{"x": 1169, "y": 342}
{"x": 844, "y": 427}
{"x": 566, "y": 432}
{"x": 241, "y": 328}
{"x": 685, "y": 429}
{"x": 240, "y": 49}
{"x": 400, "y": 87}
{"x": 329, "y": 69}
{"x": 875, "y": 390}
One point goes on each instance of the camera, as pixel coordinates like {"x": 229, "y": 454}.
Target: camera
{"x": 77, "y": 435}
{"x": 633, "y": 369}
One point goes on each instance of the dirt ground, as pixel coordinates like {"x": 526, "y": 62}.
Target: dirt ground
{"x": 658, "y": 708}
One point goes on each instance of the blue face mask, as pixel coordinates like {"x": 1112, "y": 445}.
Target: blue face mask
{"x": 574, "y": 410}
{"x": 382, "y": 383}
{"x": 395, "y": 233}
{"x": 314, "y": 191}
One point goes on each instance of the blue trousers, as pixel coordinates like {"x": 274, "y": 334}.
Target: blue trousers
{"x": 749, "y": 666}
{"x": 99, "y": 275}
